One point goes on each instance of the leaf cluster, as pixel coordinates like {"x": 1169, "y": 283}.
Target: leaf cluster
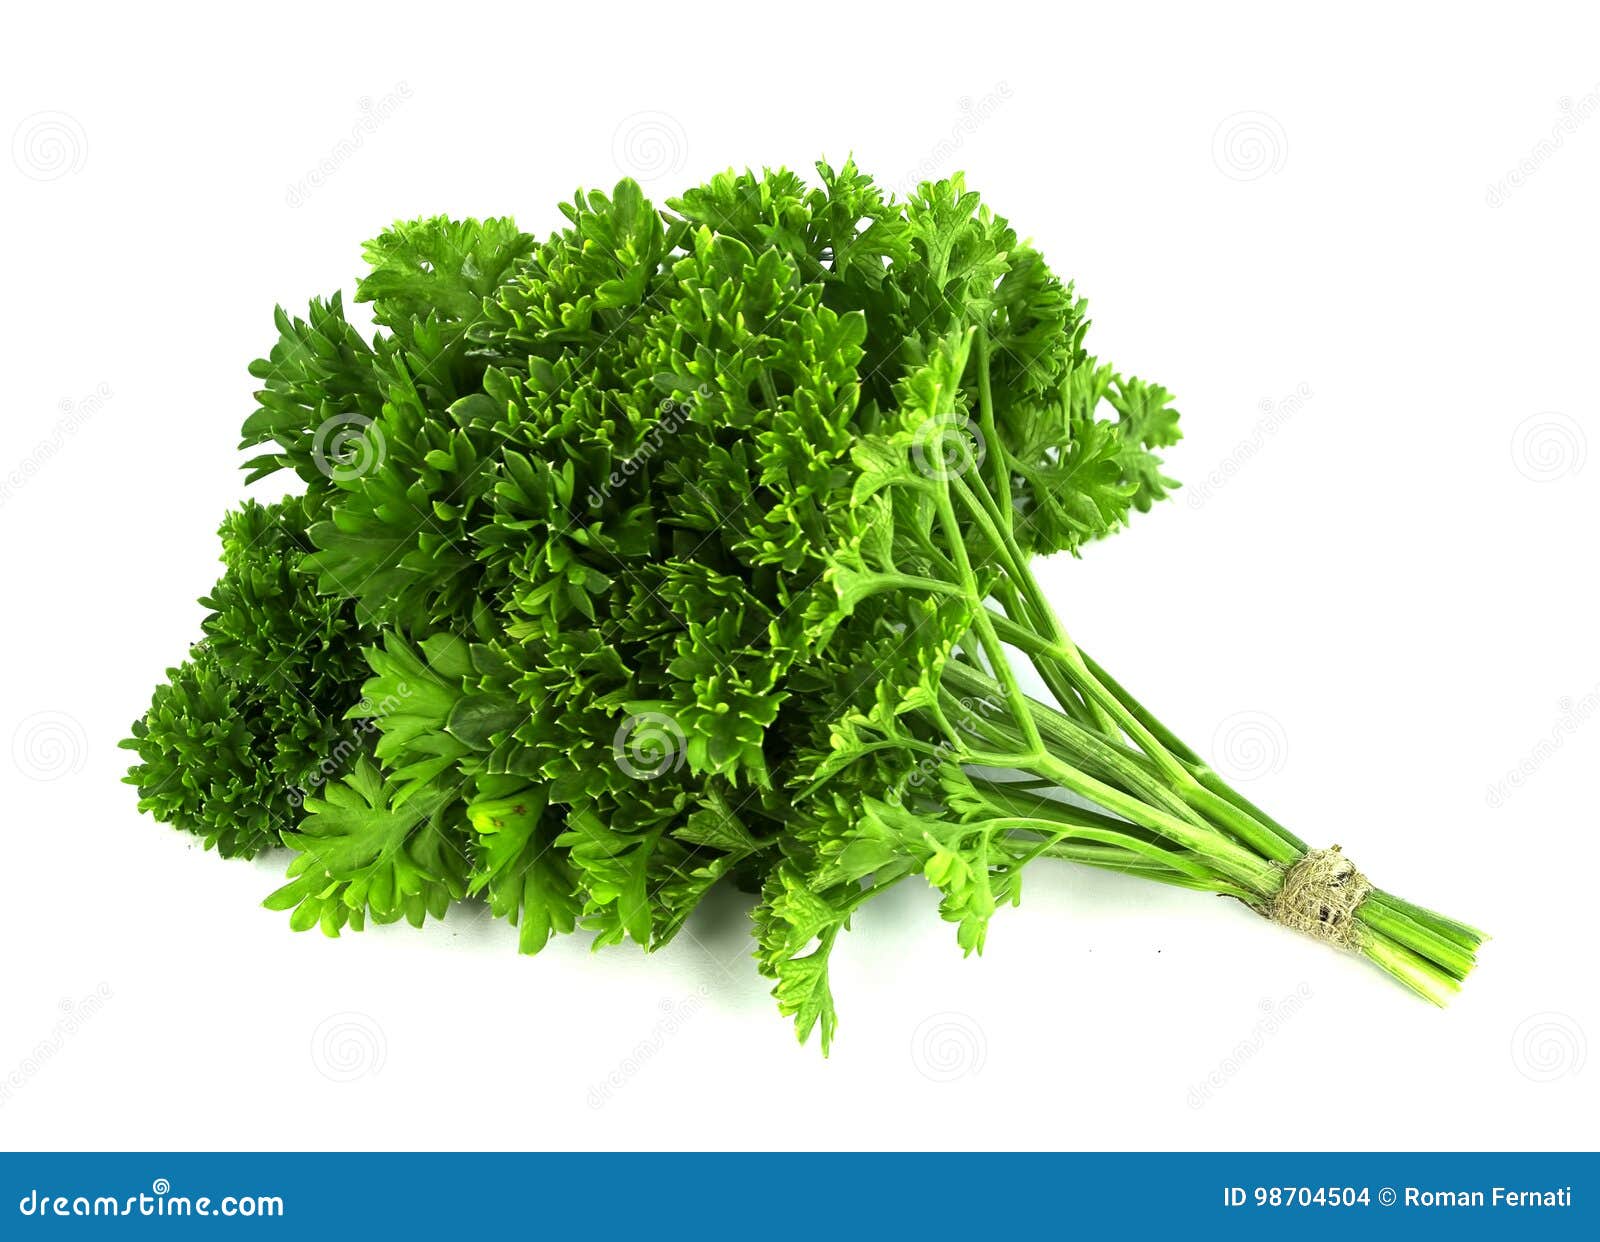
{"x": 629, "y": 562}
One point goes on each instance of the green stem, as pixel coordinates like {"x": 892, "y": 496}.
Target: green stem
{"x": 994, "y": 446}
{"x": 1233, "y": 860}
{"x": 1202, "y": 771}
{"x": 1163, "y": 811}
{"x": 1017, "y": 701}
{"x": 1057, "y": 649}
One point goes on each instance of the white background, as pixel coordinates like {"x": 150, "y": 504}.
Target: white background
{"x": 1374, "y": 601}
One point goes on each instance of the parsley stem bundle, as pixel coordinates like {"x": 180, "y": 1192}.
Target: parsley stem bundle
{"x": 1159, "y": 810}
{"x": 691, "y": 547}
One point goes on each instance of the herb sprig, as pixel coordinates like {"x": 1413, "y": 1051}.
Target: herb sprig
{"x": 693, "y": 546}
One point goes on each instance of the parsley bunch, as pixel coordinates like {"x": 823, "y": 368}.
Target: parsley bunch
{"x": 692, "y": 546}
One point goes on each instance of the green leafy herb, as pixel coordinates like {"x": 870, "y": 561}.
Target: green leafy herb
{"x": 688, "y": 547}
